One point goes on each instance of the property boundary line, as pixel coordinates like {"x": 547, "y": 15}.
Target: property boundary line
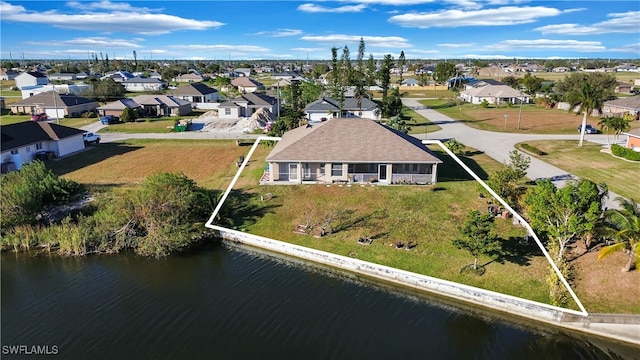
{"x": 583, "y": 312}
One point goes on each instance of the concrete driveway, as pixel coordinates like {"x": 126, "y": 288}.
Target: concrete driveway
{"x": 497, "y": 145}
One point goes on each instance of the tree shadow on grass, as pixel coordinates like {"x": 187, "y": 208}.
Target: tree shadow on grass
{"x": 241, "y": 209}
{"x": 450, "y": 170}
{"x": 516, "y": 251}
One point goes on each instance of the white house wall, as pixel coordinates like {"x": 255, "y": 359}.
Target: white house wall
{"x": 70, "y": 145}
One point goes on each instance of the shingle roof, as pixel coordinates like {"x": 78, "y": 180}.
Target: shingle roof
{"x": 326, "y": 103}
{"x": 47, "y": 99}
{"x": 120, "y": 105}
{"x": 29, "y": 132}
{"x": 159, "y": 99}
{"x": 195, "y": 89}
{"x": 246, "y": 82}
{"x": 350, "y": 140}
{"x": 631, "y": 102}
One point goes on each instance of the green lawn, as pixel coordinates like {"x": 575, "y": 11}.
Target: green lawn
{"x": 423, "y": 215}
{"x": 588, "y": 162}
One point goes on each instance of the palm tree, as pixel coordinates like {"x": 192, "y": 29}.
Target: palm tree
{"x": 619, "y": 125}
{"x": 588, "y": 91}
{"x": 605, "y": 125}
{"x": 623, "y": 226}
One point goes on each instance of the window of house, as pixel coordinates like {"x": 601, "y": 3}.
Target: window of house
{"x": 28, "y": 148}
{"x": 336, "y": 169}
{"x": 39, "y": 146}
{"x": 14, "y": 152}
{"x": 322, "y": 169}
{"x": 227, "y": 111}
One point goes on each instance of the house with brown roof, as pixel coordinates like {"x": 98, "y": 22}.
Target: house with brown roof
{"x": 55, "y": 105}
{"x": 493, "y": 92}
{"x": 115, "y": 108}
{"x": 162, "y": 105}
{"x": 246, "y": 105}
{"x": 190, "y": 77}
{"x": 26, "y": 141}
{"x": 350, "y": 150}
{"x": 247, "y": 85}
{"x": 197, "y": 93}
{"x": 619, "y": 107}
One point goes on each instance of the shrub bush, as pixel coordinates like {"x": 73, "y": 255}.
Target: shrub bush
{"x": 624, "y": 152}
{"x": 532, "y": 149}
{"x": 25, "y": 193}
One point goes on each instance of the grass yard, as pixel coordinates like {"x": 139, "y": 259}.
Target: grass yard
{"x": 388, "y": 214}
{"x": 418, "y": 123}
{"x": 71, "y": 122}
{"x": 211, "y": 163}
{"x": 533, "y": 119}
{"x": 590, "y": 163}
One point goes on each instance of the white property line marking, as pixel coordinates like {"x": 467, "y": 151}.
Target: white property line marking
{"x": 583, "y": 311}
{"x": 517, "y": 216}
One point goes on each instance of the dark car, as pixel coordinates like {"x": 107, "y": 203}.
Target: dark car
{"x": 39, "y": 117}
{"x": 588, "y": 130}
{"x": 109, "y": 119}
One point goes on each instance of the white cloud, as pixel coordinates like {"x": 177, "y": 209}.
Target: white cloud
{"x": 121, "y": 21}
{"x": 618, "y": 23}
{"x": 547, "y": 44}
{"x": 8, "y": 9}
{"x": 457, "y": 45}
{"x": 630, "y": 48}
{"x": 89, "y": 42}
{"x": 508, "y": 15}
{"x": 303, "y": 49}
{"x": 280, "y": 33}
{"x": 106, "y": 5}
{"x": 373, "y": 41}
{"x": 313, "y": 8}
{"x": 390, "y": 2}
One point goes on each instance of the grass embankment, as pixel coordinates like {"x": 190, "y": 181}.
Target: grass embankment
{"x": 588, "y": 162}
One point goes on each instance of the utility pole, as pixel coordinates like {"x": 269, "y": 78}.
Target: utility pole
{"x": 520, "y": 112}
{"x": 55, "y": 104}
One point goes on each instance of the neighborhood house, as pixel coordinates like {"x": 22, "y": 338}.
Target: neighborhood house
{"x": 26, "y": 141}
{"x": 327, "y": 108}
{"x": 350, "y": 151}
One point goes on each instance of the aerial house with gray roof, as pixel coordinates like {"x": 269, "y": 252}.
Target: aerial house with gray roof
{"x": 350, "y": 151}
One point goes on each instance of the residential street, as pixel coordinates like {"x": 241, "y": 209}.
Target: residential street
{"x": 498, "y": 145}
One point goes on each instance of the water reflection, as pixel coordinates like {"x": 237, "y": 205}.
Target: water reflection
{"x": 241, "y": 303}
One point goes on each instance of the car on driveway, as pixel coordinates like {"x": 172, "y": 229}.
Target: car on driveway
{"x": 588, "y": 130}
{"x": 109, "y": 119}
{"x": 91, "y": 138}
{"x": 39, "y": 117}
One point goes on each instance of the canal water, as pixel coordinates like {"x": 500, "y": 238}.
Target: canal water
{"x": 239, "y": 303}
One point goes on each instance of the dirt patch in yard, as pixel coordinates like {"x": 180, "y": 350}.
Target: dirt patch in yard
{"x": 532, "y": 120}
{"x": 597, "y": 283}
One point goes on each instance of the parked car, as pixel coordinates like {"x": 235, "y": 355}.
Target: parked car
{"x": 39, "y": 117}
{"x": 588, "y": 130}
{"x": 109, "y": 119}
{"x": 91, "y": 138}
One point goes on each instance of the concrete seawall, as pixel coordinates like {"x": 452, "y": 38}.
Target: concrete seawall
{"x": 619, "y": 327}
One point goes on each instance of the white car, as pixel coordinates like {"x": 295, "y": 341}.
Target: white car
{"x": 91, "y": 138}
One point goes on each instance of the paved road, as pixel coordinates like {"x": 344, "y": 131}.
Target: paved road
{"x": 497, "y": 145}
{"x": 196, "y": 135}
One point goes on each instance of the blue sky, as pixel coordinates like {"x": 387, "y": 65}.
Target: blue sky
{"x": 245, "y": 30}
